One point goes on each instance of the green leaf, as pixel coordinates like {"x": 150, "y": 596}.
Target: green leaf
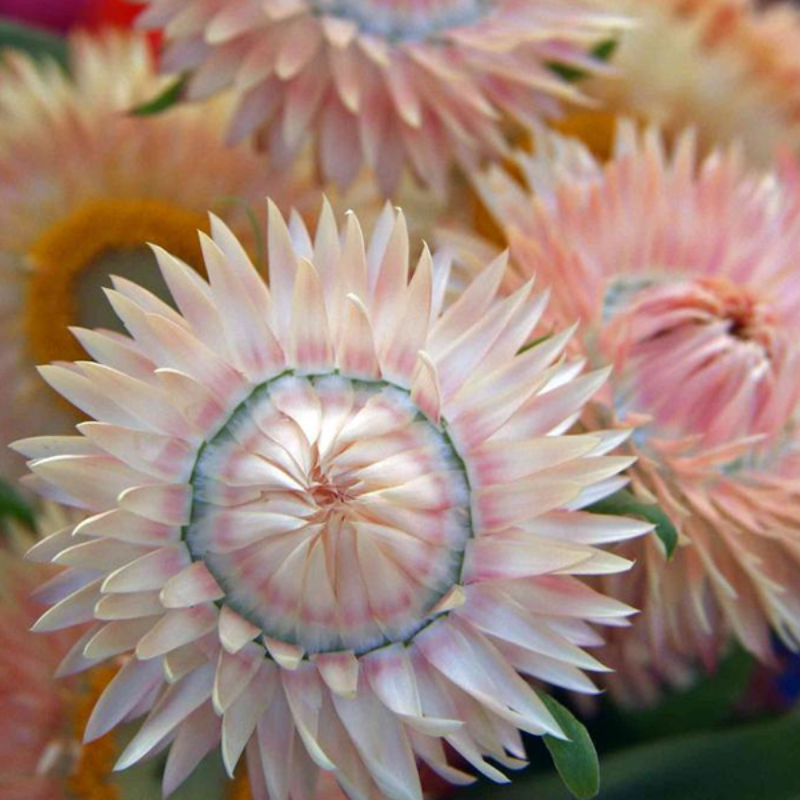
{"x": 12, "y": 505}
{"x": 757, "y": 761}
{"x": 575, "y": 760}
{"x": 36, "y": 43}
{"x": 169, "y": 97}
{"x": 535, "y": 343}
{"x": 603, "y": 52}
{"x": 625, "y": 504}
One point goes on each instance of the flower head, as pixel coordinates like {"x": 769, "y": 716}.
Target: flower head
{"x": 385, "y": 82}
{"x": 83, "y": 185}
{"x": 727, "y": 68}
{"x": 337, "y": 516}
{"x": 684, "y": 273}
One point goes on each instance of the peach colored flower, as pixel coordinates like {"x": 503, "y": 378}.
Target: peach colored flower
{"x": 728, "y": 68}
{"x": 83, "y": 185}
{"x": 342, "y": 521}
{"x": 683, "y": 274}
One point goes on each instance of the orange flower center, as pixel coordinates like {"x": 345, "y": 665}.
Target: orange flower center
{"x": 76, "y": 255}
{"x": 749, "y": 318}
{"x": 596, "y": 129}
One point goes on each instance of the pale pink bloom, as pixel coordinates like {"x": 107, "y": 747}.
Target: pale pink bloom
{"x": 83, "y": 185}
{"x": 683, "y": 273}
{"x": 389, "y": 83}
{"x": 341, "y": 521}
{"x": 728, "y": 68}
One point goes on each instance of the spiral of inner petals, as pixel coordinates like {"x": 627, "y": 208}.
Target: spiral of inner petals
{"x": 716, "y": 340}
{"x": 333, "y": 513}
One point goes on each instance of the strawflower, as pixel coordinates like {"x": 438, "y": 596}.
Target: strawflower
{"x": 342, "y": 521}
{"x": 727, "y": 68}
{"x": 83, "y": 185}
{"x": 683, "y": 272}
{"x": 387, "y": 83}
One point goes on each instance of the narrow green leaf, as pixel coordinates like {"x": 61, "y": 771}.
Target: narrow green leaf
{"x": 12, "y": 505}
{"x": 575, "y": 760}
{"x": 625, "y": 504}
{"x": 605, "y": 50}
{"x": 535, "y": 343}
{"x": 169, "y": 97}
{"x": 602, "y": 52}
{"x": 33, "y": 41}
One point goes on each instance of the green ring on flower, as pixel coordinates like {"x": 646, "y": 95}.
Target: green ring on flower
{"x": 330, "y": 507}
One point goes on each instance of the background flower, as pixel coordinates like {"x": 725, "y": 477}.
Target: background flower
{"x": 727, "y": 68}
{"x": 389, "y": 84}
{"x": 83, "y": 184}
{"x": 683, "y": 273}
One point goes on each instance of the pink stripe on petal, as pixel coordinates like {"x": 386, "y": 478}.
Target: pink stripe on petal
{"x": 168, "y": 504}
{"x": 127, "y": 527}
{"x": 201, "y": 408}
{"x": 356, "y": 348}
{"x": 128, "y": 606}
{"x": 498, "y": 557}
{"x": 176, "y": 628}
{"x": 118, "y": 637}
{"x": 191, "y": 586}
{"x": 150, "y": 572}
{"x": 234, "y": 673}
{"x": 234, "y": 631}
{"x": 163, "y": 457}
{"x": 425, "y": 391}
{"x": 244, "y": 308}
{"x": 311, "y": 347}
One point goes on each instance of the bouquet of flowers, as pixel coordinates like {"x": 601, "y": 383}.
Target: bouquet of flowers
{"x": 399, "y": 399}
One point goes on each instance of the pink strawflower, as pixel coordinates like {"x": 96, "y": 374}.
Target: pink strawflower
{"x": 390, "y": 83}
{"x": 341, "y": 520}
{"x": 683, "y": 272}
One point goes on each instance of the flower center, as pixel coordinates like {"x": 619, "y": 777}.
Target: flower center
{"x": 703, "y": 357}
{"x": 76, "y": 255}
{"x": 405, "y": 20}
{"x": 333, "y": 514}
